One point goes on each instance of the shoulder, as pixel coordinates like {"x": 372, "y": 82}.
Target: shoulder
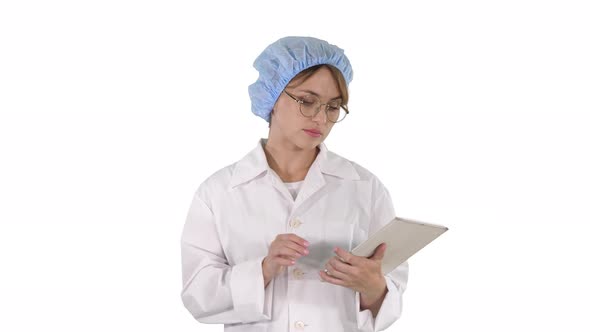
{"x": 216, "y": 183}
{"x": 364, "y": 174}
{"x": 243, "y": 170}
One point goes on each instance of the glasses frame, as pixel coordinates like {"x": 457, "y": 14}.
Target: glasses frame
{"x": 300, "y": 102}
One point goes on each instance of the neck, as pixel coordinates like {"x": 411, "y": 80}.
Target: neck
{"x": 289, "y": 161}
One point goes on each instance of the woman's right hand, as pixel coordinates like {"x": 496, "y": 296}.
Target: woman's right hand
{"x": 284, "y": 251}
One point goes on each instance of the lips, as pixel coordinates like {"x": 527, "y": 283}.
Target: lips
{"x": 313, "y": 131}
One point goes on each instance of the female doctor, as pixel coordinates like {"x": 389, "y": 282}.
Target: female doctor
{"x": 267, "y": 240}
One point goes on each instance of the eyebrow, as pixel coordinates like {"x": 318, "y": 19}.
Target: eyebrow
{"x": 315, "y": 94}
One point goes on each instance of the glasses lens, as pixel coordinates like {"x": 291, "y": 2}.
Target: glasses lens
{"x": 309, "y": 105}
{"x": 334, "y": 112}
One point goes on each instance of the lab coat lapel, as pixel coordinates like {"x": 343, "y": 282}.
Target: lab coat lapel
{"x": 278, "y": 184}
{"x": 326, "y": 164}
{"x": 253, "y": 165}
{"x": 314, "y": 182}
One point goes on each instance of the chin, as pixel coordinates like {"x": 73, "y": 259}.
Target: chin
{"x": 309, "y": 144}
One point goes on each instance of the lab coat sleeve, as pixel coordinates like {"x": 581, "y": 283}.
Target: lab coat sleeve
{"x": 213, "y": 291}
{"x": 396, "y": 280}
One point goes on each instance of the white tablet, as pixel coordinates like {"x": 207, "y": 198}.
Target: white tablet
{"x": 404, "y": 238}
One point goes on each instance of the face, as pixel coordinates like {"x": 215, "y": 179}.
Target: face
{"x": 290, "y": 126}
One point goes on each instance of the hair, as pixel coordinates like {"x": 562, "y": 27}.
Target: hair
{"x": 307, "y": 73}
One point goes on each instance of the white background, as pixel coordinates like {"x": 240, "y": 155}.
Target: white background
{"x": 473, "y": 113}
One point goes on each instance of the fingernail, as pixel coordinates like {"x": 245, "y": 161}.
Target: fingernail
{"x": 306, "y": 243}
{"x": 306, "y": 251}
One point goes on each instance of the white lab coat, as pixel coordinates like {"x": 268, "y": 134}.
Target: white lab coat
{"x": 239, "y": 210}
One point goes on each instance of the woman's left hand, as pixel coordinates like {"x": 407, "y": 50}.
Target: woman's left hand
{"x": 358, "y": 273}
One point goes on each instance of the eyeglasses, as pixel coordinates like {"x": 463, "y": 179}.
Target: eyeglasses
{"x": 310, "y": 106}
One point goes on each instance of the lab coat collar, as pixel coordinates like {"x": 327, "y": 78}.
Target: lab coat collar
{"x": 326, "y": 162}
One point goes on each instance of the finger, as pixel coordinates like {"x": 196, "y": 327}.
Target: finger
{"x": 340, "y": 266}
{"x": 379, "y": 252}
{"x": 287, "y": 252}
{"x": 330, "y": 279}
{"x": 303, "y": 251}
{"x": 335, "y": 273}
{"x": 282, "y": 261}
{"x": 295, "y": 238}
{"x": 345, "y": 256}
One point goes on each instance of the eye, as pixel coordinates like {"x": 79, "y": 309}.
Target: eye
{"x": 333, "y": 106}
{"x": 308, "y": 100}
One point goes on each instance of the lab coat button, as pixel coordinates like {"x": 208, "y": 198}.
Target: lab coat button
{"x": 298, "y": 273}
{"x": 295, "y": 223}
{"x": 299, "y": 325}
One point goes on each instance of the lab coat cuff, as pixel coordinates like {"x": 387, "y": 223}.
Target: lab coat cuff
{"x": 391, "y": 308}
{"x": 364, "y": 318}
{"x": 251, "y": 300}
{"x": 389, "y": 312}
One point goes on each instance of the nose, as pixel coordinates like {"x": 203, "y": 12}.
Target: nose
{"x": 321, "y": 115}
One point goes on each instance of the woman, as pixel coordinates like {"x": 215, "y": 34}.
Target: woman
{"x": 266, "y": 244}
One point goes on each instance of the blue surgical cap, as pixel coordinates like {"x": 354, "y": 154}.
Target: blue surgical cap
{"x": 284, "y": 59}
